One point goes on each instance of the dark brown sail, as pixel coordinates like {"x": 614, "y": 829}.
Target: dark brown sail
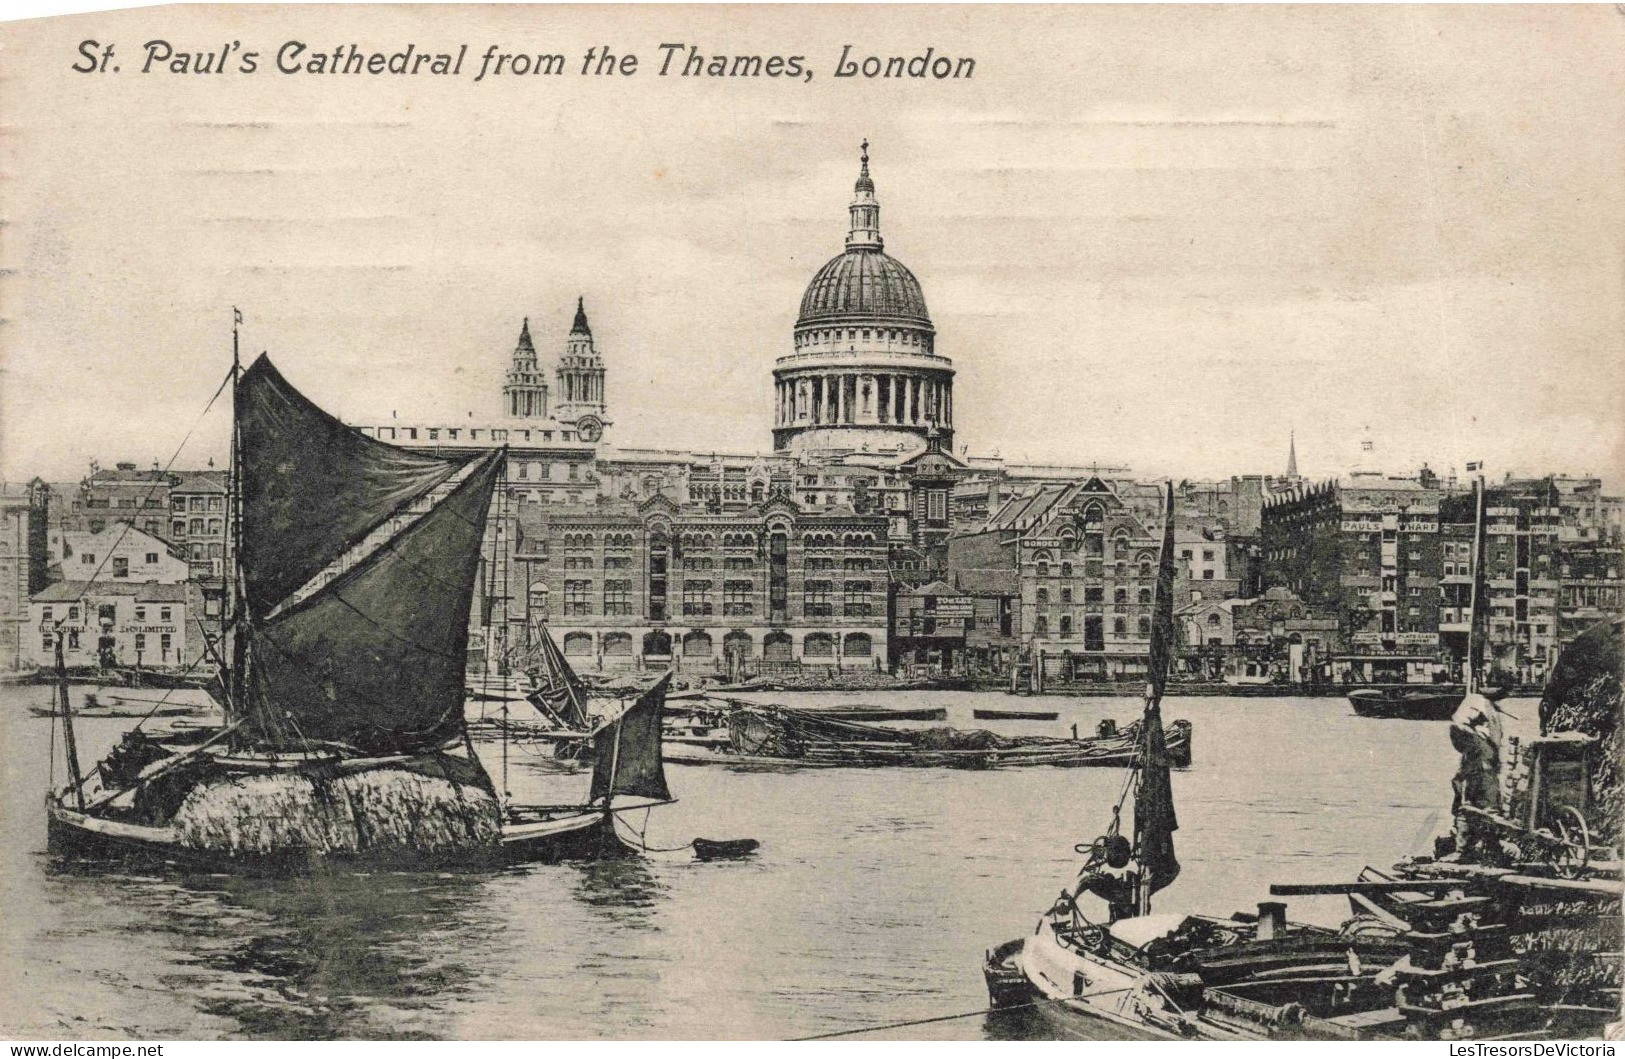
{"x": 311, "y": 486}
{"x": 375, "y": 659}
{"x": 1154, "y": 819}
{"x": 627, "y": 750}
{"x": 564, "y": 695}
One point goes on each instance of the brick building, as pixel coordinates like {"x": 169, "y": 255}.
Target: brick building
{"x": 624, "y": 584}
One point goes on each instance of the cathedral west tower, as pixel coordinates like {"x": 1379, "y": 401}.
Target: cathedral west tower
{"x": 864, "y": 374}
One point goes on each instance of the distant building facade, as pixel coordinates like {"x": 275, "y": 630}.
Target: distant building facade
{"x": 24, "y": 565}
{"x": 1365, "y": 551}
{"x": 113, "y": 623}
{"x": 624, "y": 584}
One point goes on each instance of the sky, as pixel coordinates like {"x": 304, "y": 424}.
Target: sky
{"x": 1158, "y": 237}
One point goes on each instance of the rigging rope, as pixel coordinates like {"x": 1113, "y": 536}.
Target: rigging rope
{"x": 959, "y": 1015}
{"x": 161, "y": 478}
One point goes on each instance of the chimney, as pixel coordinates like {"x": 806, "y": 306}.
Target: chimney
{"x": 1271, "y": 920}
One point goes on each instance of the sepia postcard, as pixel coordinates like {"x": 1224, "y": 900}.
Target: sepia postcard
{"x": 847, "y": 522}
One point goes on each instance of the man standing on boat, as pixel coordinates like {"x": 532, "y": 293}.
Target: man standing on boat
{"x": 1475, "y": 732}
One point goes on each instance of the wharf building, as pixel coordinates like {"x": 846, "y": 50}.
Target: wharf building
{"x": 1366, "y": 551}
{"x": 1082, "y": 564}
{"x": 1523, "y": 559}
{"x": 119, "y": 595}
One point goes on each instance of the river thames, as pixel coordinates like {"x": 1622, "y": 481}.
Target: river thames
{"x": 871, "y": 901}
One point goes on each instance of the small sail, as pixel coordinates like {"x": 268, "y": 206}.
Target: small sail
{"x": 1154, "y": 820}
{"x": 375, "y": 659}
{"x": 311, "y": 486}
{"x": 563, "y": 695}
{"x": 627, "y": 750}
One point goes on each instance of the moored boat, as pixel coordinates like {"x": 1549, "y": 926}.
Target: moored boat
{"x": 1411, "y": 702}
{"x": 1015, "y": 715}
{"x": 352, "y": 569}
{"x": 777, "y": 736}
{"x": 881, "y": 713}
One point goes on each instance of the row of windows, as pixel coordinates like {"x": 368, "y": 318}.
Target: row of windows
{"x": 197, "y": 527}
{"x": 48, "y": 613}
{"x": 192, "y": 503}
{"x": 1095, "y": 594}
{"x": 698, "y": 643}
{"x": 542, "y": 472}
{"x": 830, "y": 336}
{"x": 1095, "y": 569}
{"x": 165, "y": 642}
{"x": 1041, "y": 626}
{"x": 474, "y": 433}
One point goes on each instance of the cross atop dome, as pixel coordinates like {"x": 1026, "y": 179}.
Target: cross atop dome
{"x": 865, "y": 231}
{"x": 864, "y": 183}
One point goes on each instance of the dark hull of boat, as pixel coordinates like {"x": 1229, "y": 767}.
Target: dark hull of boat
{"x": 881, "y": 713}
{"x": 85, "y": 841}
{"x": 1409, "y": 704}
{"x": 724, "y": 849}
{"x": 149, "y": 678}
{"x": 82, "y": 713}
{"x": 1015, "y": 715}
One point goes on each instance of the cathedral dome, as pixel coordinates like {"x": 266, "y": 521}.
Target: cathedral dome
{"x": 863, "y": 282}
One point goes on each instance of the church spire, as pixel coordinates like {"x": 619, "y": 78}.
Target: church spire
{"x": 1292, "y": 455}
{"x": 524, "y": 347}
{"x": 865, "y": 209}
{"x": 580, "y": 326}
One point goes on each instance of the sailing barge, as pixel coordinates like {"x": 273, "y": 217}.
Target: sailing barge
{"x": 353, "y": 566}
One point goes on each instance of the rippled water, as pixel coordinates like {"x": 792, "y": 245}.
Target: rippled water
{"x": 871, "y": 901}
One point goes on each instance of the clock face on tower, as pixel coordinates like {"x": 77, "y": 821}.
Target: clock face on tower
{"x": 588, "y": 428}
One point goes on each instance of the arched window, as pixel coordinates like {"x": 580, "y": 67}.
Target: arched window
{"x": 857, "y": 645}
{"x": 578, "y": 644}
{"x": 777, "y": 647}
{"x": 657, "y": 643}
{"x": 1145, "y": 567}
{"x": 539, "y": 597}
{"x": 1093, "y": 516}
{"x": 739, "y": 643}
{"x": 818, "y": 645}
{"x": 617, "y": 645}
{"x": 697, "y": 644}
{"x": 1066, "y": 569}
{"x": 1213, "y": 620}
